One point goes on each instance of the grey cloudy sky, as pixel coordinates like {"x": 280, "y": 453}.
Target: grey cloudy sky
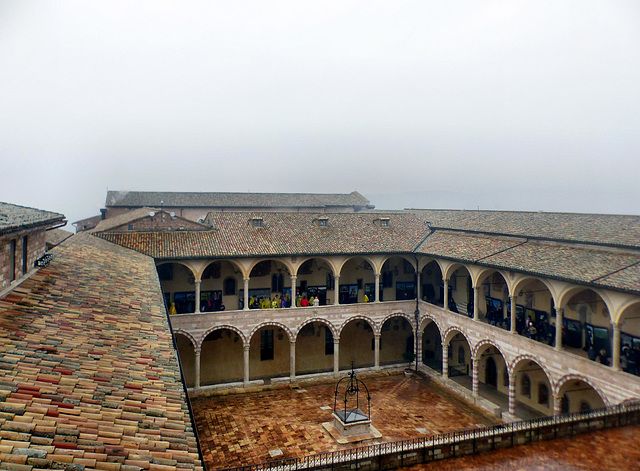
{"x": 519, "y": 105}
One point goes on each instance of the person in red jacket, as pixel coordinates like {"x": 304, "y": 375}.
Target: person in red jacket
{"x": 304, "y": 302}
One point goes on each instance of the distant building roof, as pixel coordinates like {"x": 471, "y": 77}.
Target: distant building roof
{"x": 173, "y": 221}
{"x": 238, "y": 200}
{"x": 90, "y": 377}
{"x": 87, "y": 223}
{"x": 14, "y": 218}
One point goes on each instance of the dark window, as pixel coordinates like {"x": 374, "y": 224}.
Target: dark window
{"x": 257, "y": 222}
{"x": 266, "y": 344}
{"x": 229, "y": 286}
{"x": 328, "y": 341}
{"x": 130, "y": 227}
{"x": 24, "y": 254}
{"x": 384, "y": 222}
{"x": 322, "y": 222}
{"x": 543, "y": 394}
{"x": 12, "y": 260}
{"x": 461, "y": 355}
{"x": 405, "y": 290}
{"x": 525, "y": 386}
{"x": 387, "y": 279}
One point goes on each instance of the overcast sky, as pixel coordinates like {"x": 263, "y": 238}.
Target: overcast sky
{"x": 518, "y": 105}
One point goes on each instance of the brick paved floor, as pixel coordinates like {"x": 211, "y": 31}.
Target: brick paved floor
{"x": 240, "y": 429}
{"x": 614, "y": 449}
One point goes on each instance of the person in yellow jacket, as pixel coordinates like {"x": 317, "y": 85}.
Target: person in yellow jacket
{"x": 266, "y": 304}
{"x": 365, "y": 299}
{"x": 172, "y": 309}
{"x": 276, "y": 302}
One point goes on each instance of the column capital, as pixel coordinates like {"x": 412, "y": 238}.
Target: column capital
{"x": 246, "y": 279}
{"x": 197, "y": 350}
{"x": 292, "y": 342}
{"x": 198, "y": 282}
{"x": 246, "y": 348}
{"x": 377, "y": 335}
{"x": 294, "y": 277}
{"x": 376, "y": 274}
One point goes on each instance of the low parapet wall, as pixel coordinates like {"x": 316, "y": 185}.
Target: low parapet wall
{"x": 394, "y": 455}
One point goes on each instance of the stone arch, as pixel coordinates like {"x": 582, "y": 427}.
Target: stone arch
{"x": 374, "y": 326}
{"x": 557, "y": 387}
{"x": 321, "y": 320}
{"x": 301, "y": 262}
{"x": 571, "y": 291}
{"x": 399, "y": 314}
{"x": 369, "y": 260}
{"x": 271, "y": 323}
{"x": 526, "y": 357}
{"x": 485, "y": 343}
{"x": 412, "y": 261}
{"x": 228, "y": 327}
{"x": 234, "y": 264}
{"x": 525, "y": 279}
{"x": 426, "y": 320}
{"x": 187, "y": 335}
{"x": 283, "y": 261}
{"x": 193, "y": 271}
{"x": 448, "y": 334}
{"x": 453, "y": 267}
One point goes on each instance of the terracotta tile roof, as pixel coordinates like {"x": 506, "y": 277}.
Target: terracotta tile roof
{"x": 604, "y": 229}
{"x": 465, "y": 247}
{"x": 281, "y": 234}
{"x": 239, "y": 200}
{"x": 14, "y": 218}
{"x": 88, "y": 375}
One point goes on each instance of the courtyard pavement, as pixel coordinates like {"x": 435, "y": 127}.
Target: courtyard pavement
{"x": 240, "y": 429}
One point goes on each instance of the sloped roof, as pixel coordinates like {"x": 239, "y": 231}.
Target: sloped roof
{"x": 89, "y": 375}
{"x": 14, "y": 218}
{"x": 57, "y": 236}
{"x": 232, "y": 235}
{"x": 239, "y": 200}
{"x": 607, "y": 229}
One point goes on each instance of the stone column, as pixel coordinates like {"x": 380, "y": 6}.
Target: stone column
{"x": 446, "y": 294}
{"x": 512, "y": 394}
{"x": 615, "y": 355}
{"x": 197, "y": 367}
{"x": 198, "y": 295}
{"x": 559, "y": 314}
{"x": 445, "y": 360}
{"x": 292, "y": 360}
{"x": 246, "y": 294}
{"x": 376, "y": 351}
{"x": 336, "y": 289}
{"x": 418, "y": 345}
{"x": 474, "y": 377}
{"x": 557, "y": 405}
{"x": 336, "y": 356}
{"x": 377, "y": 287}
{"x": 294, "y": 278}
{"x": 246, "y": 365}
{"x": 513, "y": 315}
{"x": 476, "y": 308}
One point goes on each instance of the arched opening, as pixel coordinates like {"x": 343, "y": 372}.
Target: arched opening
{"x": 535, "y": 315}
{"x": 398, "y": 279}
{"x": 357, "y": 281}
{"x": 531, "y": 380}
{"x": 269, "y": 286}
{"x": 460, "y": 360}
{"x": 432, "y": 284}
{"x": 432, "y": 347}
{"x": 186, "y": 352}
{"x": 178, "y": 287}
{"x": 269, "y": 353}
{"x": 396, "y": 341}
{"x": 315, "y": 280}
{"x": 314, "y": 349}
{"x": 575, "y": 392}
{"x": 630, "y": 339}
{"x": 461, "y": 292}
{"x": 492, "y": 374}
{"x": 357, "y": 344}
{"x": 588, "y": 314}
{"x": 493, "y": 298}
{"x": 221, "y": 357}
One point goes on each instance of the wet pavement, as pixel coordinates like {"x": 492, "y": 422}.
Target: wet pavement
{"x": 613, "y": 449}
{"x": 240, "y": 429}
